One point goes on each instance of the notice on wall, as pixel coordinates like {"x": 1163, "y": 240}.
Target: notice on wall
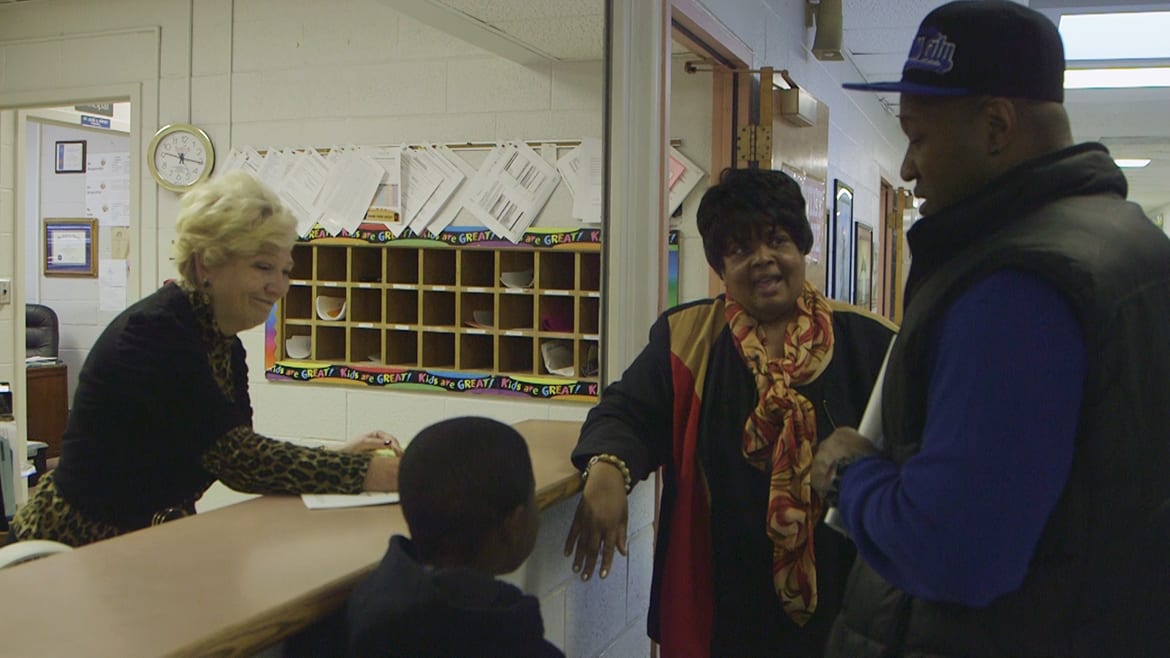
{"x": 107, "y": 188}
{"x": 119, "y": 241}
{"x": 386, "y": 206}
{"x": 510, "y": 189}
{"x": 814, "y": 202}
{"x": 448, "y": 179}
{"x": 682, "y": 177}
{"x": 582, "y": 169}
{"x": 112, "y": 277}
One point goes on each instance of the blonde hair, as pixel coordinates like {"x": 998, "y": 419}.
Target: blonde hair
{"x": 229, "y": 216}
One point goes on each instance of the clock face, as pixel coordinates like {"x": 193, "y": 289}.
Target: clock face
{"x": 181, "y": 157}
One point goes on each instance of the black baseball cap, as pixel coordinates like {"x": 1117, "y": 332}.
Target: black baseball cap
{"x": 982, "y": 47}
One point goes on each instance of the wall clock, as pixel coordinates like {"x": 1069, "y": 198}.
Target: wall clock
{"x": 180, "y": 156}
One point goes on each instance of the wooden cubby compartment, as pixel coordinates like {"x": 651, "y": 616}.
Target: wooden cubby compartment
{"x": 298, "y": 302}
{"x": 332, "y": 265}
{"x": 589, "y": 272}
{"x": 557, "y": 314}
{"x": 302, "y": 263}
{"x": 365, "y": 345}
{"x": 401, "y": 306}
{"x": 446, "y": 307}
{"x": 557, "y": 271}
{"x": 401, "y": 348}
{"x": 365, "y": 304}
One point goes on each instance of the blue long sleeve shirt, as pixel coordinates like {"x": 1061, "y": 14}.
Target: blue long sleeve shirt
{"x": 958, "y": 522}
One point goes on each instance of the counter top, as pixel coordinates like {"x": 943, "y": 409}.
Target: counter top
{"x": 230, "y": 582}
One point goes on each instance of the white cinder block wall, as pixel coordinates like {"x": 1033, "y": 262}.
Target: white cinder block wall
{"x": 865, "y": 142}
{"x": 275, "y": 73}
{"x": 75, "y": 300}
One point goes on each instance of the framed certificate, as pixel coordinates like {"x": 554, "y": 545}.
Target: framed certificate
{"x": 71, "y": 247}
{"x": 70, "y": 157}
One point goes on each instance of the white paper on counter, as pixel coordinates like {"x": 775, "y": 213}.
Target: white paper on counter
{"x": 339, "y": 501}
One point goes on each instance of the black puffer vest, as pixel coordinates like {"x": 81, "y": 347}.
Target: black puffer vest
{"x": 1099, "y": 580}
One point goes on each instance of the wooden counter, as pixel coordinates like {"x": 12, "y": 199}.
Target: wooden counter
{"x": 228, "y": 582}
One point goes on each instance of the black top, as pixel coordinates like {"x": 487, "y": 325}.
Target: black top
{"x": 161, "y": 411}
{"x": 406, "y": 608}
{"x": 147, "y": 406}
{"x": 1095, "y": 585}
{"x": 634, "y": 421}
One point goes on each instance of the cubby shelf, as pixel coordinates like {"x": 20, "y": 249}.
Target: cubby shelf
{"x": 434, "y": 306}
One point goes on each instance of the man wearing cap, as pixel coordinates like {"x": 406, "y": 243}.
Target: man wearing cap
{"x": 1021, "y": 502}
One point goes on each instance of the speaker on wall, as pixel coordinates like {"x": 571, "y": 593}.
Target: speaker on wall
{"x": 829, "y": 40}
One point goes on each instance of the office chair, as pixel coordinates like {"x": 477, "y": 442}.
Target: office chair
{"x": 41, "y": 332}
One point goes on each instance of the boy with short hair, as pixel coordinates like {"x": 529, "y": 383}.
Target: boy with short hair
{"x": 469, "y": 498}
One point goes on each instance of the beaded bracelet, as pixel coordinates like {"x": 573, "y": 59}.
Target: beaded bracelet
{"x": 612, "y": 460}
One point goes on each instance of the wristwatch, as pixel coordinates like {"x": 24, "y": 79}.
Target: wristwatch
{"x": 833, "y": 493}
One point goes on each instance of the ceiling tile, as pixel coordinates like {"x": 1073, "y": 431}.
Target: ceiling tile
{"x": 566, "y": 38}
{"x": 878, "y": 40}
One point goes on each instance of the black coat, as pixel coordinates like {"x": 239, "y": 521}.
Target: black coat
{"x": 637, "y": 419}
{"x": 1099, "y": 580}
{"x": 407, "y": 609}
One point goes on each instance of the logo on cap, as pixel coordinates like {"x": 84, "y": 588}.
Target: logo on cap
{"x": 932, "y": 52}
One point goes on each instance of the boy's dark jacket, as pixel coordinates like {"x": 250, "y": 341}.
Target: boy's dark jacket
{"x": 406, "y": 608}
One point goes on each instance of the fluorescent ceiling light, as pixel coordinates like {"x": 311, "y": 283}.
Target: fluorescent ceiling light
{"x": 1131, "y": 35}
{"x": 1131, "y": 163}
{"x": 1116, "y": 78}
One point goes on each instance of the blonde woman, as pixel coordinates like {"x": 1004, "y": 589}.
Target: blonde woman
{"x": 162, "y": 408}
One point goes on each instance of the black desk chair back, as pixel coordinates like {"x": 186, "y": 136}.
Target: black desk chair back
{"x": 41, "y": 333}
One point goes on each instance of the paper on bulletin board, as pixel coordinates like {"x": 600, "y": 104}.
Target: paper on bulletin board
{"x": 423, "y": 177}
{"x": 272, "y": 168}
{"x": 112, "y": 276}
{"x": 454, "y": 204}
{"x": 246, "y": 159}
{"x": 301, "y": 183}
{"x": 119, "y": 241}
{"x": 814, "y": 201}
{"x": 107, "y": 188}
{"x": 110, "y": 165}
{"x": 386, "y": 207}
{"x": 582, "y": 169}
{"x": 510, "y": 189}
{"x": 684, "y": 182}
{"x": 814, "y": 207}
{"x": 450, "y": 177}
{"x": 352, "y": 184}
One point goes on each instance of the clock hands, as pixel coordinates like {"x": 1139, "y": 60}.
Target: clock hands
{"x": 183, "y": 159}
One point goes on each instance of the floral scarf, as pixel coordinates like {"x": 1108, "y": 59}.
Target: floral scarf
{"x": 780, "y": 434}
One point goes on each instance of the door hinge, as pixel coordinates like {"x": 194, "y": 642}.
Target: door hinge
{"x": 754, "y": 143}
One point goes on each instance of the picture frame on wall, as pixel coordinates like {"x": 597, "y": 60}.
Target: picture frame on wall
{"x": 863, "y": 265}
{"x": 71, "y": 247}
{"x": 70, "y": 157}
{"x": 841, "y": 243}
